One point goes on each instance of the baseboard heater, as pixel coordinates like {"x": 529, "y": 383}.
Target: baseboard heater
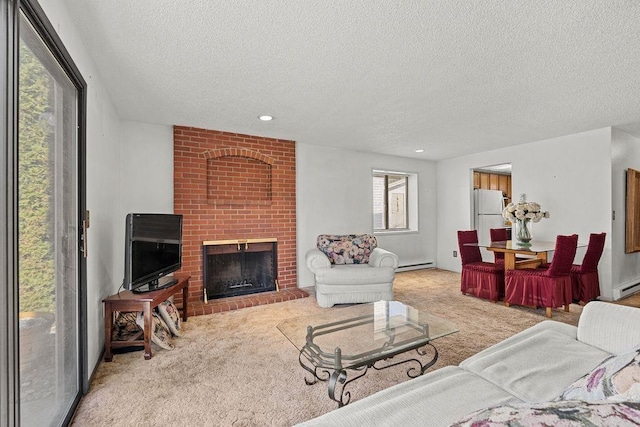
{"x": 625, "y": 291}
{"x": 419, "y": 266}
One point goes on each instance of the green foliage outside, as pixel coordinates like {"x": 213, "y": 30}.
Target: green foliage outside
{"x": 35, "y": 186}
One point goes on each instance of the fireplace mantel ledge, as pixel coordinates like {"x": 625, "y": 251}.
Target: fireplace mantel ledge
{"x": 238, "y": 241}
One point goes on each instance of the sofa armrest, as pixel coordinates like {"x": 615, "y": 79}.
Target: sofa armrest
{"x": 316, "y": 259}
{"x": 610, "y": 327}
{"x": 381, "y": 258}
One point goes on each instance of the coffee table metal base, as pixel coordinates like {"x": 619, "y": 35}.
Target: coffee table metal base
{"x": 338, "y": 378}
{"x": 339, "y": 346}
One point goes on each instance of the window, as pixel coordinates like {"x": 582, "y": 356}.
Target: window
{"x": 390, "y": 198}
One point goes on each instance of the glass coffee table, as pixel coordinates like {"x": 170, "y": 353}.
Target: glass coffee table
{"x": 359, "y": 337}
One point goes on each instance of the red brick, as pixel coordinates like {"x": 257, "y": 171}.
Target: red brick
{"x": 259, "y": 202}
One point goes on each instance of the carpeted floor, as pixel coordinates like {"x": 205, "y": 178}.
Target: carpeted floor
{"x": 236, "y": 368}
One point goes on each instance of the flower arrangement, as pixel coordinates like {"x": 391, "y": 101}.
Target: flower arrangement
{"x": 523, "y": 211}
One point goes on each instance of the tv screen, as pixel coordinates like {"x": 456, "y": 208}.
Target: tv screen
{"x": 153, "y": 249}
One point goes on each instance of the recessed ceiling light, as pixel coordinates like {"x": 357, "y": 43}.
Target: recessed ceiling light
{"x": 265, "y": 118}
{"x": 419, "y": 150}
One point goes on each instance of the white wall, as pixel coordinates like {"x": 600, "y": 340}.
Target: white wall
{"x": 334, "y": 195}
{"x": 103, "y": 192}
{"x": 569, "y": 176}
{"x": 145, "y": 179}
{"x": 146, "y": 175}
{"x": 625, "y": 153}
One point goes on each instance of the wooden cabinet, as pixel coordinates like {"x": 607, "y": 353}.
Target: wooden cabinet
{"x": 504, "y": 185}
{"x": 493, "y": 181}
{"x": 484, "y": 181}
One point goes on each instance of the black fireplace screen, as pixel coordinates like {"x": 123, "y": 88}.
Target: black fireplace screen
{"x": 239, "y": 268}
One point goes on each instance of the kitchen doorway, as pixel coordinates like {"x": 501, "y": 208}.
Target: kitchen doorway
{"x": 490, "y": 193}
{"x": 494, "y": 177}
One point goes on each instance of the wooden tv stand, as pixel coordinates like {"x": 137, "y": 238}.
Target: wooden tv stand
{"x": 128, "y": 301}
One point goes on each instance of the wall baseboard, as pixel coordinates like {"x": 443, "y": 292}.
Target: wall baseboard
{"x": 419, "y": 266}
{"x": 626, "y": 290}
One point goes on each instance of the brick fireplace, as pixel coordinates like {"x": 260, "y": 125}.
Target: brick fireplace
{"x": 231, "y": 186}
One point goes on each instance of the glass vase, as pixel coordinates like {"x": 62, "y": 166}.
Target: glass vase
{"x": 523, "y": 234}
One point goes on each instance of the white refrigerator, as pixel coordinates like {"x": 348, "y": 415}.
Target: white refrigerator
{"x": 488, "y": 205}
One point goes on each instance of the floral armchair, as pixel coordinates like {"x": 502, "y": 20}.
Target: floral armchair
{"x": 351, "y": 269}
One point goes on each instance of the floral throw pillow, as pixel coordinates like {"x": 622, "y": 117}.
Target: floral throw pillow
{"x": 617, "y": 378}
{"x": 347, "y": 248}
{"x": 171, "y": 316}
{"x": 558, "y": 413}
{"x": 160, "y": 334}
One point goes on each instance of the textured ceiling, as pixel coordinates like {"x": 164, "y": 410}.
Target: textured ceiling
{"x": 386, "y": 76}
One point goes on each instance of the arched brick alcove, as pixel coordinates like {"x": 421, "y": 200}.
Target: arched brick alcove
{"x": 238, "y": 177}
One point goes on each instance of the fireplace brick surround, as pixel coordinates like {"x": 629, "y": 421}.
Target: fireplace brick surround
{"x": 230, "y": 186}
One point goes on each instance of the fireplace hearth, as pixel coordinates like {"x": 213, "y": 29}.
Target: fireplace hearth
{"x": 239, "y": 267}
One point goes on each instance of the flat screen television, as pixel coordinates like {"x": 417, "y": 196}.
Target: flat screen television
{"x": 153, "y": 249}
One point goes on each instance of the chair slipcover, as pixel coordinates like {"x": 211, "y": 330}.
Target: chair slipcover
{"x": 481, "y": 279}
{"x": 585, "y": 285}
{"x": 498, "y": 235}
{"x": 549, "y": 288}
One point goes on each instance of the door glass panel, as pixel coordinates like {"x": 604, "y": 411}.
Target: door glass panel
{"x": 47, "y": 225}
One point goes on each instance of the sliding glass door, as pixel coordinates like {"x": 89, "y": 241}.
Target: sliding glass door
{"x": 44, "y": 255}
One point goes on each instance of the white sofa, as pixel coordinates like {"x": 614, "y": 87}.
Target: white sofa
{"x": 351, "y": 269}
{"x": 525, "y": 371}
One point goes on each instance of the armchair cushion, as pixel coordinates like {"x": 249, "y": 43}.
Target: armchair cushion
{"x": 340, "y": 275}
{"x": 317, "y": 261}
{"x": 347, "y": 248}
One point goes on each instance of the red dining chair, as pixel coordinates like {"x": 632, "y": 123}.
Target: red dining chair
{"x": 479, "y": 278}
{"x": 585, "y": 285}
{"x": 500, "y": 235}
{"x": 544, "y": 287}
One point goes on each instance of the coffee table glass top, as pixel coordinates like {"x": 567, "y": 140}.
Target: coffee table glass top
{"x": 352, "y": 336}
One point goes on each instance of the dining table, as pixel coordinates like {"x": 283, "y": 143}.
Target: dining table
{"x": 535, "y": 252}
